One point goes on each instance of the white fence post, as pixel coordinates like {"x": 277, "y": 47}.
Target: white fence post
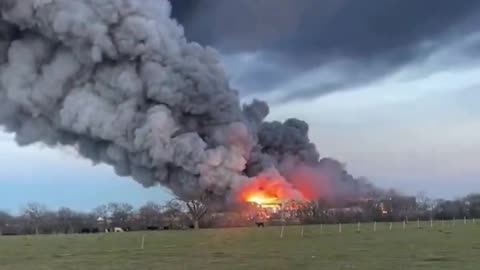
{"x": 340, "y": 227}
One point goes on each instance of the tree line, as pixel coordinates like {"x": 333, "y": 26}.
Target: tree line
{"x": 396, "y": 208}
{"x": 35, "y": 218}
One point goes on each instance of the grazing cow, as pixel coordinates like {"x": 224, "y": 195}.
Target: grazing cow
{"x": 118, "y": 229}
{"x": 260, "y": 224}
{"x": 85, "y": 230}
{"x": 9, "y": 233}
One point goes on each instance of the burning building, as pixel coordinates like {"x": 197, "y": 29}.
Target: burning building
{"x": 119, "y": 82}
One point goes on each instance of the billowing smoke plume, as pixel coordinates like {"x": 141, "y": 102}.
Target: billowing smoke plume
{"x": 118, "y": 80}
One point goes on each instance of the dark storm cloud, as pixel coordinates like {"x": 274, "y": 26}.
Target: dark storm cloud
{"x": 381, "y": 34}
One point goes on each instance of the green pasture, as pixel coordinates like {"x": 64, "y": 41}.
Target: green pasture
{"x": 443, "y": 246}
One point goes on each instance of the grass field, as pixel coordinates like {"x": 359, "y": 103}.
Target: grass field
{"x": 321, "y": 247}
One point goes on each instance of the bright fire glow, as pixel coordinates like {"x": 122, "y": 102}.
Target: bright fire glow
{"x": 268, "y": 190}
{"x": 260, "y": 198}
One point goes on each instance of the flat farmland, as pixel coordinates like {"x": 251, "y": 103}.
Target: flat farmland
{"x": 443, "y": 246}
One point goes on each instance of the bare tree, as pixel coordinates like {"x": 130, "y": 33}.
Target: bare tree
{"x": 173, "y": 211}
{"x": 425, "y": 205}
{"x": 5, "y": 220}
{"x": 34, "y": 214}
{"x": 49, "y": 223}
{"x": 150, "y": 214}
{"x": 101, "y": 214}
{"x": 65, "y": 219}
{"x": 84, "y": 220}
{"x": 70, "y": 221}
{"x": 197, "y": 208}
{"x": 423, "y": 202}
{"x": 120, "y": 213}
{"x": 473, "y": 201}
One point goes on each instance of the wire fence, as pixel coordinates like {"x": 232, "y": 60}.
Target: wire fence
{"x": 377, "y": 227}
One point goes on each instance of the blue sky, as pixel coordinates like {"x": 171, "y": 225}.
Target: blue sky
{"x": 59, "y": 177}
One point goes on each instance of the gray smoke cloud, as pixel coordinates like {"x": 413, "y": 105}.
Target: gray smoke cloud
{"x": 118, "y": 80}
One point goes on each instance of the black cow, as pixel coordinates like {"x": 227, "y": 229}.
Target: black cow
{"x": 260, "y": 224}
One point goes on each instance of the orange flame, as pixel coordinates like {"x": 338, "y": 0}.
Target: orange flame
{"x": 268, "y": 189}
{"x": 260, "y": 197}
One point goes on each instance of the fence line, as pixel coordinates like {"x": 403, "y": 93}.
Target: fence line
{"x": 386, "y": 227}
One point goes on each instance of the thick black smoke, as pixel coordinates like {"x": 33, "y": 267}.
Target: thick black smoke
{"x": 118, "y": 80}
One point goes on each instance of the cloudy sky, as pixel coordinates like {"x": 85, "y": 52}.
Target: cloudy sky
{"x": 390, "y": 87}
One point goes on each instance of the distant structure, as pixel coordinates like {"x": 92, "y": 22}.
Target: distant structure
{"x": 276, "y": 211}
